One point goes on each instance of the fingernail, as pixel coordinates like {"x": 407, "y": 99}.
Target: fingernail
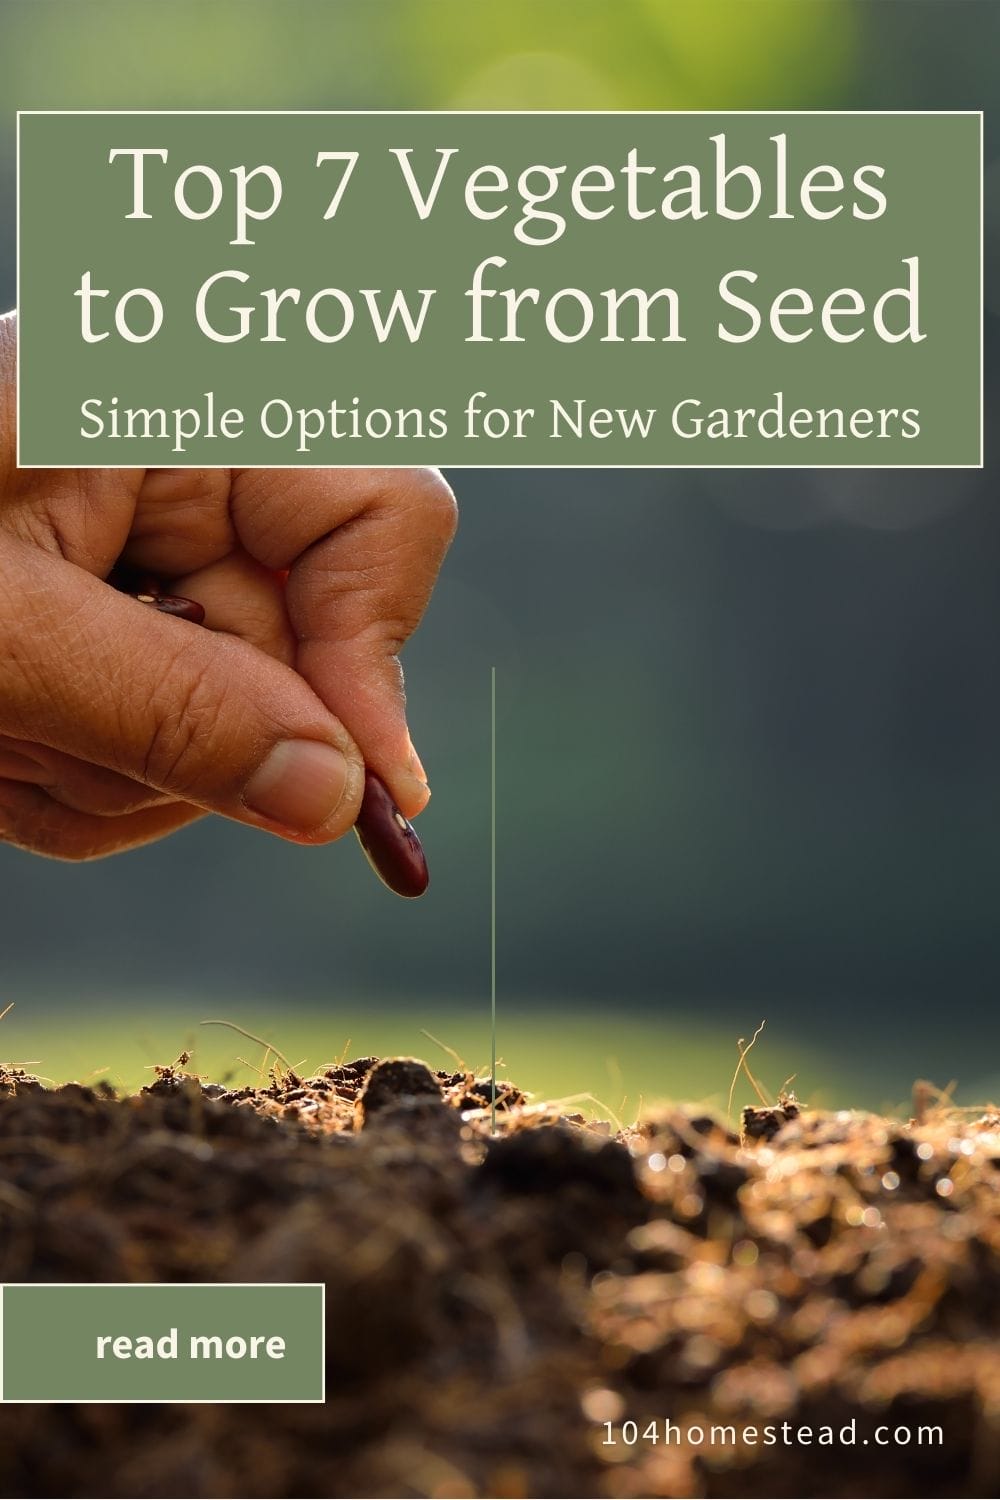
{"x": 416, "y": 764}
{"x": 300, "y": 785}
{"x": 412, "y": 790}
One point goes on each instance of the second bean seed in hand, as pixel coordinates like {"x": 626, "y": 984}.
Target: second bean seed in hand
{"x": 174, "y": 604}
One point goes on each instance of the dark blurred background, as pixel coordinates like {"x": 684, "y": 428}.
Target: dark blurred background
{"x": 749, "y": 723}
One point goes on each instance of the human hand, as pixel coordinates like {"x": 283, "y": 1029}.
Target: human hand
{"x": 119, "y": 724}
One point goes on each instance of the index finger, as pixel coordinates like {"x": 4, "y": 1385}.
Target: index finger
{"x": 362, "y": 548}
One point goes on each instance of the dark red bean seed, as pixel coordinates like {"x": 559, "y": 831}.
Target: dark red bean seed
{"x": 389, "y": 841}
{"x": 173, "y": 604}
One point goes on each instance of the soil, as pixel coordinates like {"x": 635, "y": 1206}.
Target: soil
{"x": 493, "y": 1301}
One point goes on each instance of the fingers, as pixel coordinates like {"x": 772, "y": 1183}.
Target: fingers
{"x": 181, "y": 521}
{"x": 183, "y": 535}
{"x": 32, "y": 820}
{"x": 198, "y": 719}
{"x": 88, "y": 789}
{"x": 363, "y": 549}
{"x": 203, "y": 717}
{"x": 244, "y": 598}
{"x": 83, "y": 515}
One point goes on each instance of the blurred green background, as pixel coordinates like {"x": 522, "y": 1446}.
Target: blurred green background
{"x": 749, "y": 723}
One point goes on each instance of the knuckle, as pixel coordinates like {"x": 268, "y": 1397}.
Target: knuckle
{"x": 185, "y": 710}
{"x": 181, "y": 514}
{"x": 434, "y": 498}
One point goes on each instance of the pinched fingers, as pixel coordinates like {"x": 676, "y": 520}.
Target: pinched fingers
{"x": 202, "y": 717}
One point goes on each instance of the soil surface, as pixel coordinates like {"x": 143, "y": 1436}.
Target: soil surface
{"x": 493, "y": 1302}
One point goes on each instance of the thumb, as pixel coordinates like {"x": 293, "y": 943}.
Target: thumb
{"x": 204, "y": 717}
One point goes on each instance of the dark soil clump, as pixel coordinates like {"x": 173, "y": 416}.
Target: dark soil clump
{"x": 494, "y": 1302}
